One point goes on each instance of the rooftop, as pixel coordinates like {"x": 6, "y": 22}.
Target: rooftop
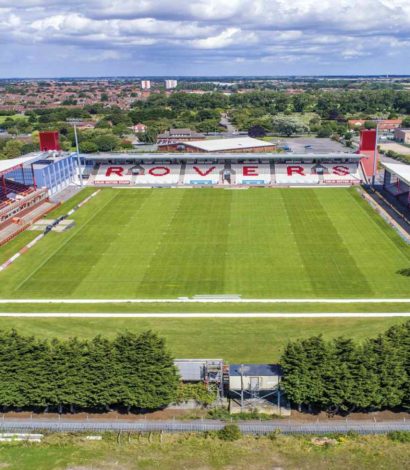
{"x": 401, "y": 170}
{"x": 235, "y": 143}
{"x": 12, "y": 163}
{"x": 219, "y": 156}
{"x": 265, "y": 370}
{"x": 183, "y": 132}
{"x": 8, "y": 165}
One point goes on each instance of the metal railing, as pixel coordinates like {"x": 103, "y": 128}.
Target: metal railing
{"x": 202, "y": 425}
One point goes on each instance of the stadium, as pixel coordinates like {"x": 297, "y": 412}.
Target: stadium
{"x": 209, "y": 226}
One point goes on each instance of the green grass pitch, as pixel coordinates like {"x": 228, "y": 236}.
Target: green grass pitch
{"x": 250, "y": 340}
{"x": 259, "y": 243}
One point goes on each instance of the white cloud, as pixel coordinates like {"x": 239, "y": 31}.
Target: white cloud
{"x": 210, "y": 31}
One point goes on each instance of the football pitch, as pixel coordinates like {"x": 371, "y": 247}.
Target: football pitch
{"x": 257, "y": 243}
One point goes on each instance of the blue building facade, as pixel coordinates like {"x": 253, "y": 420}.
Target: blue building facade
{"x": 54, "y": 172}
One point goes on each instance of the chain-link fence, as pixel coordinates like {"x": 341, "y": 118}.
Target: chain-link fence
{"x": 174, "y": 426}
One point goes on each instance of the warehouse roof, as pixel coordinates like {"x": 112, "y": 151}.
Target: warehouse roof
{"x": 401, "y": 170}
{"x": 236, "y": 143}
{"x": 265, "y": 370}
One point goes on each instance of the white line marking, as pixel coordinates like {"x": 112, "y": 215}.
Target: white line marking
{"x": 205, "y": 315}
{"x": 203, "y": 301}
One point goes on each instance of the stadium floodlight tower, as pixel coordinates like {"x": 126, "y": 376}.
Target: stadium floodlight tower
{"x": 74, "y": 122}
{"x": 375, "y": 154}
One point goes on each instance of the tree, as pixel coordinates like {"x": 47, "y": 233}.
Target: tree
{"x": 12, "y": 352}
{"x": 88, "y": 147}
{"x": 256, "y": 131}
{"x": 387, "y": 363}
{"x": 149, "y": 136}
{"x": 406, "y": 123}
{"x": 370, "y": 125}
{"x": 304, "y": 363}
{"x": 288, "y": 126}
{"x": 149, "y": 378}
{"x": 13, "y": 148}
{"x": 101, "y": 371}
{"x": 324, "y": 132}
{"x": 341, "y": 376}
{"x": 67, "y": 364}
{"x": 106, "y": 142}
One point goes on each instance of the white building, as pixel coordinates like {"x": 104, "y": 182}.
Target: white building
{"x": 145, "y": 84}
{"x": 169, "y": 84}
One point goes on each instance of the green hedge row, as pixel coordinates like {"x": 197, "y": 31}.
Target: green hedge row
{"x": 132, "y": 371}
{"x": 344, "y": 375}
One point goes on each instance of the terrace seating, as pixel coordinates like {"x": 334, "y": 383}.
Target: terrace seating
{"x": 341, "y": 173}
{"x": 326, "y": 173}
{"x": 11, "y": 190}
{"x": 212, "y": 174}
{"x": 138, "y": 174}
{"x": 252, "y": 173}
{"x": 157, "y": 174}
{"x": 202, "y": 173}
{"x": 113, "y": 174}
{"x": 296, "y": 173}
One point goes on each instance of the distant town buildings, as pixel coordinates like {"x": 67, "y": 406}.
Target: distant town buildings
{"x": 169, "y": 84}
{"x": 402, "y": 135}
{"x": 145, "y": 84}
{"x": 137, "y": 128}
{"x": 383, "y": 124}
{"x": 177, "y": 135}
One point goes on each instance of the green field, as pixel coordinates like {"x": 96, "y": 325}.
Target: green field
{"x": 235, "y": 340}
{"x": 15, "y": 117}
{"x": 205, "y": 452}
{"x": 259, "y": 243}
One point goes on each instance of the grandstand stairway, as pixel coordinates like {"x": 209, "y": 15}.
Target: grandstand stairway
{"x": 12, "y": 228}
{"x": 272, "y": 172}
{"x": 182, "y": 173}
{"x": 228, "y": 168}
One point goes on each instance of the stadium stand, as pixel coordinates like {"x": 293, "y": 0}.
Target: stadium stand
{"x": 203, "y": 174}
{"x": 347, "y": 173}
{"x": 252, "y": 173}
{"x": 10, "y": 191}
{"x": 296, "y": 173}
{"x": 303, "y": 173}
{"x": 20, "y": 205}
{"x": 113, "y": 174}
{"x": 156, "y": 174}
{"x": 138, "y": 174}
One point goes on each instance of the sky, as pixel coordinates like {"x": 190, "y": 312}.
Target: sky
{"x": 54, "y": 38}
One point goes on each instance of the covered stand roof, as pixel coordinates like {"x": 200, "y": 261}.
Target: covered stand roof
{"x": 11, "y": 164}
{"x": 401, "y": 170}
{"x": 220, "y": 156}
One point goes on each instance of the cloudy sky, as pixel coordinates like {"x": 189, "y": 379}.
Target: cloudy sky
{"x": 46, "y": 38}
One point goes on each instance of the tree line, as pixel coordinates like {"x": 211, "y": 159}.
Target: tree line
{"x": 343, "y": 375}
{"x": 131, "y": 371}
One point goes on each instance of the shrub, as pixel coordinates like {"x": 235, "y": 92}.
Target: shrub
{"x": 230, "y": 432}
{"x": 399, "y": 436}
{"x": 223, "y": 414}
{"x": 219, "y": 413}
{"x": 198, "y": 392}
